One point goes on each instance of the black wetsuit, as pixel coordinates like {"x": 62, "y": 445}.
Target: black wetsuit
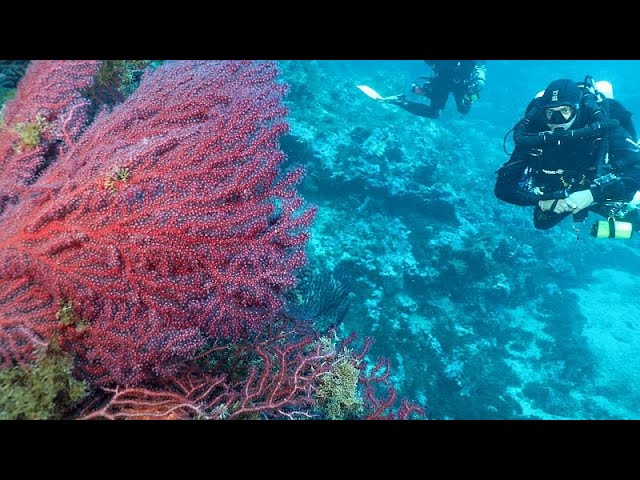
{"x": 461, "y": 78}
{"x": 560, "y": 167}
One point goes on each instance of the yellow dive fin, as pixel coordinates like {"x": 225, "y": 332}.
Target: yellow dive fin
{"x": 369, "y": 92}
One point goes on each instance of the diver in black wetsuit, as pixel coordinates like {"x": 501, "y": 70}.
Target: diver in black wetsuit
{"x": 575, "y": 152}
{"x": 462, "y": 78}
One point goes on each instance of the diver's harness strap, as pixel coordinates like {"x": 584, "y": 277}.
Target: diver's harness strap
{"x": 612, "y": 227}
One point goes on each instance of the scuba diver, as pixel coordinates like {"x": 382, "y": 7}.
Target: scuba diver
{"x": 462, "y": 78}
{"x": 575, "y": 152}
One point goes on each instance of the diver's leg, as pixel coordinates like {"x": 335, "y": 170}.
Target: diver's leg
{"x": 463, "y": 105}
{"x": 420, "y": 109}
{"x": 439, "y": 94}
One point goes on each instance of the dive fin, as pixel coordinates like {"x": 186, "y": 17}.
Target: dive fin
{"x": 369, "y": 92}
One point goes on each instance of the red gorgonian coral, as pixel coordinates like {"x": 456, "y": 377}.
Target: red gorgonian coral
{"x": 155, "y": 224}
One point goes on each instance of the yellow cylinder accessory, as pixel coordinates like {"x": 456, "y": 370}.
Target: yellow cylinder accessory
{"x": 612, "y": 229}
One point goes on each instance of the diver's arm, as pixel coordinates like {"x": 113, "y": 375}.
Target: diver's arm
{"x": 509, "y": 186}
{"x": 625, "y": 181}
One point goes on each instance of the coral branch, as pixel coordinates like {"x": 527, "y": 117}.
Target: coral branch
{"x": 200, "y": 240}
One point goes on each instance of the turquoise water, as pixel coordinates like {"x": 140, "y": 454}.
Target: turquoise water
{"x": 481, "y": 315}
